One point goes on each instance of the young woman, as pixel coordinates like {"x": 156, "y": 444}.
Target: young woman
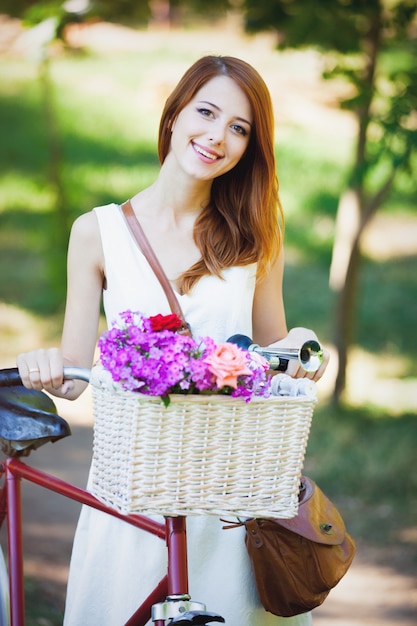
{"x": 213, "y": 218}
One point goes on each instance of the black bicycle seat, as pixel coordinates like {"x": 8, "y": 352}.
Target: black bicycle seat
{"x": 28, "y": 419}
{"x": 197, "y": 617}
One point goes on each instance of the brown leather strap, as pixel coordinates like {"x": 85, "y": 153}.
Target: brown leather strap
{"x": 146, "y": 248}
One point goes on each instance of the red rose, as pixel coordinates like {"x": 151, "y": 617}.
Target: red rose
{"x": 165, "y": 322}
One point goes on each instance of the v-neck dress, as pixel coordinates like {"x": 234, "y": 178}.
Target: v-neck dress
{"x": 114, "y": 566}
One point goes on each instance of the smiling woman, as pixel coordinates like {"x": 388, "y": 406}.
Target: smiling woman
{"x": 211, "y": 127}
{"x": 213, "y": 218}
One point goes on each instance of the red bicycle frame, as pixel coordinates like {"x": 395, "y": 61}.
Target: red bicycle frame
{"x": 175, "y": 583}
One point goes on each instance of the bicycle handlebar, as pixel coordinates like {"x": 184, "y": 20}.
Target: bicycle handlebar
{"x": 310, "y": 357}
{"x": 10, "y": 377}
{"x": 77, "y": 373}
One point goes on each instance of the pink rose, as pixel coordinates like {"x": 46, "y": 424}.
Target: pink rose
{"x": 227, "y": 362}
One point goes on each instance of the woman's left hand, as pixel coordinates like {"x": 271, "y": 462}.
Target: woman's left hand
{"x": 295, "y": 339}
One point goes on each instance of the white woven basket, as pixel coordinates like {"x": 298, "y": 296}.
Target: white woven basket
{"x": 201, "y": 455}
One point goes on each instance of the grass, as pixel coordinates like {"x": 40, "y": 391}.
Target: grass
{"x": 41, "y": 608}
{"x": 106, "y": 112}
{"x": 364, "y": 458}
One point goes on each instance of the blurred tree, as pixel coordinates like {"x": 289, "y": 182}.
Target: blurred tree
{"x": 123, "y": 11}
{"x": 15, "y": 8}
{"x": 372, "y": 44}
{"x": 45, "y": 22}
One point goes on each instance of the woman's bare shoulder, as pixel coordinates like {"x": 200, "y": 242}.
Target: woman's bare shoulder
{"x": 85, "y": 228}
{"x": 85, "y": 241}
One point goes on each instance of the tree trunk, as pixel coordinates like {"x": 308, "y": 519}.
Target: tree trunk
{"x": 343, "y": 280}
{"x": 353, "y": 214}
{"x": 54, "y": 151}
{"x": 59, "y": 232}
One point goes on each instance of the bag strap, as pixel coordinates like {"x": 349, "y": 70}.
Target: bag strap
{"x": 147, "y": 250}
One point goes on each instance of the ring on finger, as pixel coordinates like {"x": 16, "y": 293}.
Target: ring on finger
{"x": 32, "y": 370}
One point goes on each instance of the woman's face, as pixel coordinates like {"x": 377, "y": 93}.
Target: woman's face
{"x": 211, "y": 133}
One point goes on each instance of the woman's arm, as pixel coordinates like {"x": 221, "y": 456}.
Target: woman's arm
{"x": 268, "y": 313}
{"x": 269, "y": 323}
{"x": 79, "y": 336}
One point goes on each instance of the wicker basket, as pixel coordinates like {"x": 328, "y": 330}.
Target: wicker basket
{"x": 201, "y": 455}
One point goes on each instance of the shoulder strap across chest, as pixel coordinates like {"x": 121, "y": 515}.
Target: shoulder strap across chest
{"x": 146, "y": 248}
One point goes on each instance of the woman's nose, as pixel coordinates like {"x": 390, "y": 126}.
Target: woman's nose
{"x": 217, "y": 134}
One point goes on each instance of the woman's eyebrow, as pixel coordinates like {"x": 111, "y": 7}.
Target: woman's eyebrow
{"x": 241, "y": 119}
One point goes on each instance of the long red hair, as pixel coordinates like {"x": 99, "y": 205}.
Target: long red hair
{"x": 242, "y": 222}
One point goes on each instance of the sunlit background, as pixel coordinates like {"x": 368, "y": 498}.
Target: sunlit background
{"x": 81, "y": 90}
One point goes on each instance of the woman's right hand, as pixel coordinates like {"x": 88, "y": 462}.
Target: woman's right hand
{"x": 44, "y": 369}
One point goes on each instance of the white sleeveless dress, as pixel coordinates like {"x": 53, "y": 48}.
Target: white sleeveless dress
{"x": 114, "y": 566}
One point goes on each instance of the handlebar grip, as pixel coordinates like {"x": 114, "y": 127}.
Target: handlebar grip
{"x": 10, "y": 377}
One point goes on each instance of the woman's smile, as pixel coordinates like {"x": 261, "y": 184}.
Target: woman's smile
{"x": 206, "y": 153}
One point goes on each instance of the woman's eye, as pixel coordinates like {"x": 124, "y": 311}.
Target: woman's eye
{"x": 239, "y": 129}
{"x": 205, "y": 112}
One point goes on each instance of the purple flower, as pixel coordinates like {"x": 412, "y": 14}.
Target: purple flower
{"x": 160, "y": 362}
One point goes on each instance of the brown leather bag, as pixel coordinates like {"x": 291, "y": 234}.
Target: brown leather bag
{"x": 296, "y": 562}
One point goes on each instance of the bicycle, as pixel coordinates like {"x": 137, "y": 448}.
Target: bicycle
{"x": 28, "y": 420}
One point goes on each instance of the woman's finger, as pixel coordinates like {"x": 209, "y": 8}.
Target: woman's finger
{"x": 41, "y": 369}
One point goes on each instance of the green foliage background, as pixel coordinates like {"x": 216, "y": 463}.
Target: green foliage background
{"x": 107, "y": 129}
{"x": 107, "y": 109}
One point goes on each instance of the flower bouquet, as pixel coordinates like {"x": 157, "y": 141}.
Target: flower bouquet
{"x": 146, "y": 354}
{"x": 187, "y": 426}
